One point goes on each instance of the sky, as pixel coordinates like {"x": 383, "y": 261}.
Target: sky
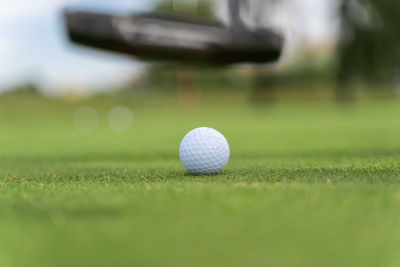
{"x": 33, "y": 46}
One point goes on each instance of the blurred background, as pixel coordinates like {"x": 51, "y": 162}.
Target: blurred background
{"x": 339, "y": 50}
{"x": 89, "y": 142}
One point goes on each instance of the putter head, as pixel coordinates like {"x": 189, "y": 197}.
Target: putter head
{"x": 159, "y": 37}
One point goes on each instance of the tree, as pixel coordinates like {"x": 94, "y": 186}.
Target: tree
{"x": 200, "y": 9}
{"x": 369, "y": 47}
{"x": 24, "y": 89}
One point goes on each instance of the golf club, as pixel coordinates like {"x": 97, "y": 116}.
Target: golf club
{"x": 161, "y": 37}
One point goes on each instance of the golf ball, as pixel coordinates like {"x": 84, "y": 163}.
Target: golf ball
{"x": 204, "y": 151}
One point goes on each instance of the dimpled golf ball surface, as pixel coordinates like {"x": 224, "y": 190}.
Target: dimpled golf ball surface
{"x": 204, "y": 151}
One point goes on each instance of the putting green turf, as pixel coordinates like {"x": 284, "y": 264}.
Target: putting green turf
{"x": 307, "y": 185}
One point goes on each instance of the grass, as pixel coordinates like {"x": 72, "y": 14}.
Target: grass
{"x": 307, "y": 185}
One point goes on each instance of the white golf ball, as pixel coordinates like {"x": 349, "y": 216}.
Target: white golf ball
{"x": 204, "y": 151}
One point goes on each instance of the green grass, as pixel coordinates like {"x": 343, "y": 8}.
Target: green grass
{"x": 307, "y": 185}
